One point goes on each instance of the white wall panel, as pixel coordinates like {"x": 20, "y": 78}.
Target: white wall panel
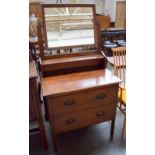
{"x": 102, "y": 6}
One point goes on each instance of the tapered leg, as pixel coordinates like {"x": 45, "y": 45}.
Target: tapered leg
{"x": 112, "y": 129}
{"x": 124, "y": 126}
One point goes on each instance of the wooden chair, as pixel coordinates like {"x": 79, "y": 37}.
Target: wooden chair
{"x": 104, "y": 21}
{"x": 107, "y": 36}
{"x": 119, "y": 57}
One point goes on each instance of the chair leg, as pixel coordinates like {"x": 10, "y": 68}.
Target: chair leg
{"x": 124, "y": 126}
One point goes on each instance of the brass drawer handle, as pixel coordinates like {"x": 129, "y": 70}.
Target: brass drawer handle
{"x": 70, "y": 121}
{"x": 101, "y": 96}
{"x": 100, "y": 114}
{"x": 69, "y": 102}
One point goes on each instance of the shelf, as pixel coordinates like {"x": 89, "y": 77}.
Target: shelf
{"x": 72, "y": 63}
{"x": 71, "y": 59}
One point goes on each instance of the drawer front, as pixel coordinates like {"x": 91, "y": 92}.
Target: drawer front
{"x": 87, "y": 99}
{"x": 76, "y": 120}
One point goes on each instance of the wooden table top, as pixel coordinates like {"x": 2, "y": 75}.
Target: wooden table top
{"x": 32, "y": 70}
{"x": 74, "y": 82}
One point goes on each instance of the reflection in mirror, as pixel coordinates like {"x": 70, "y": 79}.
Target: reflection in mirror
{"x": 69, "y": 27}
{"x": 69, "y": 50}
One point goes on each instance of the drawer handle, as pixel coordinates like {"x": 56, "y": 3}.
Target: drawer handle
{"x": 101, "y": 96}
{"x": 100, "y": 114}
{"x": 69, "y": 102}
{"x": 70, "y": 121}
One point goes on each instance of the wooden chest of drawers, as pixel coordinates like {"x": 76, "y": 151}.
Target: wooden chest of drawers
{"x": 83, "y": 118}
{"x": 81, "y": 99}
{"x": 69, "y": 111}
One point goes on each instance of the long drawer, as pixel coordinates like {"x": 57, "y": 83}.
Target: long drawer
{"x": 83, "y": 118}
{"x": 87, "y": 99}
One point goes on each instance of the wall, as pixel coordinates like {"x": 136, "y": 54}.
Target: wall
{"x": 99, "y": 3}
{"x": 110, "y": 9}
{"x": 107, "y": 7}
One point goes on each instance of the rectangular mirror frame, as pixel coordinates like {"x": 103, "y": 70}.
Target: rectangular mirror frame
{"x": 44, "y": 5}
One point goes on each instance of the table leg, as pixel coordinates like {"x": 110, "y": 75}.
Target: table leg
{"x": 112, "y": 129}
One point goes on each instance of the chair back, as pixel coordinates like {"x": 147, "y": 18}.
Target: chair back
{"x": 104, "y": 21}
{"x": 119, "y": 59}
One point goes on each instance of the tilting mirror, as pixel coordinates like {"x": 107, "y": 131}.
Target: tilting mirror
{"x": 68, "y": 26}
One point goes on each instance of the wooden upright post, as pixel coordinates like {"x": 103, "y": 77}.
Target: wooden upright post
{"x": 40, "y": 39}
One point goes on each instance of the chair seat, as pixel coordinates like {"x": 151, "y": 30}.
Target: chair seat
{"x": 123, "y": 95}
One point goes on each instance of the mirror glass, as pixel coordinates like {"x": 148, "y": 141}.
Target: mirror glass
{"x": 69, "y": 27}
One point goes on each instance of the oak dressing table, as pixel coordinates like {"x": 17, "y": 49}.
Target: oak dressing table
{"x": 78, "y": 88}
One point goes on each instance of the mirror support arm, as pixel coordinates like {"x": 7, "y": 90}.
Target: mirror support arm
{"x": 40, "y": 38}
